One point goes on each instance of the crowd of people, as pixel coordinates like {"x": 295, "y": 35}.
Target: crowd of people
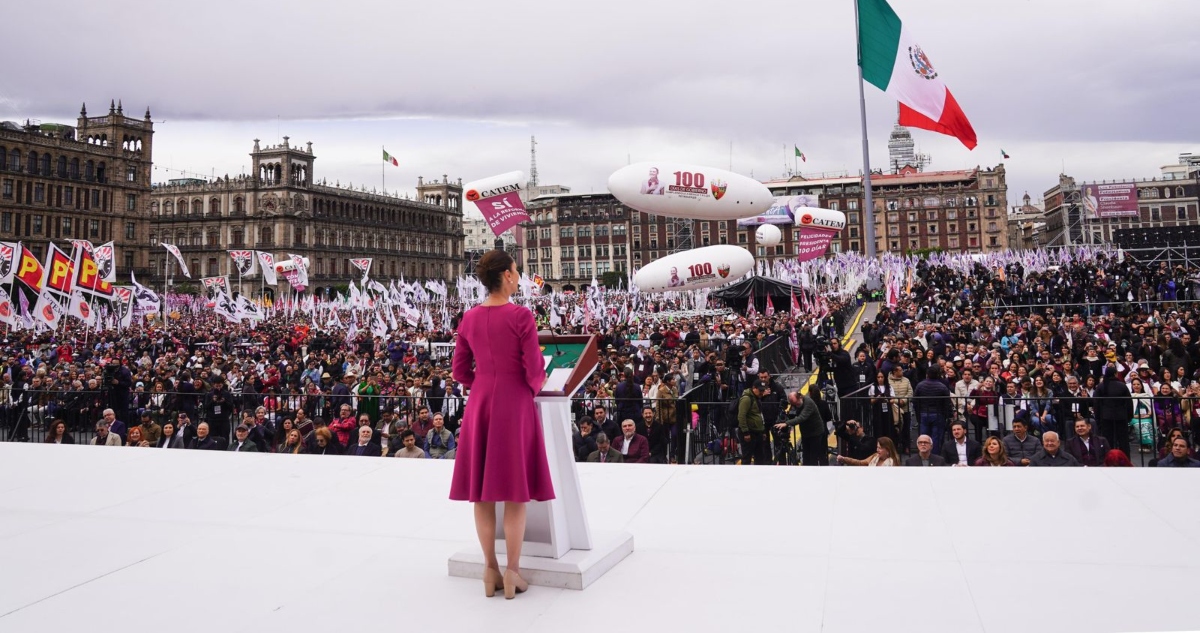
{"x": 1085, "y": 359}
{"x": 286, "y": 384}
{"x": 1084, "y": 362}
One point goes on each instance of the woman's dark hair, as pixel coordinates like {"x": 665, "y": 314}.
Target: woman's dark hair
{"x": 491, "y": 267}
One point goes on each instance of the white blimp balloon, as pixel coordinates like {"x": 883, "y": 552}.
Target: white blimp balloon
{"x": 285, "y": 265}
{"x": 705, "y": 267}
{"x": 768, "y": 235}
{"x": 827, "y": 219}
{"x": 682, "y": 190}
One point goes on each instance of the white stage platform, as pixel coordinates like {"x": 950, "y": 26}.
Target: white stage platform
{"x": 118, "y": 539}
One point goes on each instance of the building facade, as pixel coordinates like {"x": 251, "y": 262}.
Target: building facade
{"x": 282, "y": 208}
{"x": 1026, "y": 225}
{"x": 1170, "y": 200}
{"x": 89, "y": 181}
{"x": 961, "y": 211}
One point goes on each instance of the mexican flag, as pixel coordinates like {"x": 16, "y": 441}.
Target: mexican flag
{"x": 388, "y": 158}
{"x": 893, "y": 61}
{"x": 799, "y": 154}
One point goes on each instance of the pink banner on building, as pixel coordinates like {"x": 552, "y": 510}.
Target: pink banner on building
{"x": 813, "y": 243}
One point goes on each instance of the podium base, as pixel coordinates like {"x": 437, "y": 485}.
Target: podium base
{"x": 575, "y": 570}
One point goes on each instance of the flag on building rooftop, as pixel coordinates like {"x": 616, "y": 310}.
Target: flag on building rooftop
{"x": 388, "y": 158}
{"x": 799, "y": 154}
{"x": 893, "y": 61}
{"x": 1004, "y": 153}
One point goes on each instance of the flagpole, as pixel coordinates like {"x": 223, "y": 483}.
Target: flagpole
{"x": 869, "y": 211}
{"x": 383, "y": 173}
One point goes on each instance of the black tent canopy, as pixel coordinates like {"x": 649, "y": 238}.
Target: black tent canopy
{"x": 737, "y": 295}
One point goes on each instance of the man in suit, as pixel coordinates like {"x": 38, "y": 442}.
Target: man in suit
{"x": 203, "y": 441}
{"x": 960, "y": 450}
{"x": 185, "y": 430}
{"x": 104, "y": 437}
{"x": 1087, "y": 449}
{"x": 634, "y": 448}
{"x": 925, "y": 455}
{"x": 604, "y": 452}
{"x": 242, "y": 443}
{"x": 365, "y": 447}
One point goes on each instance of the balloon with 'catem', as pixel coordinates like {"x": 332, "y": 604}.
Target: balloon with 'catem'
{"x": 706, "y": 267}
{"x": 681, "y": 190}
{"x": 285, "y": 265}
{"x": 768, "y": 235}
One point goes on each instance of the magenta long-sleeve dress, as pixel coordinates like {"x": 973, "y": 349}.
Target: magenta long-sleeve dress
{"x": 501, "y": 452}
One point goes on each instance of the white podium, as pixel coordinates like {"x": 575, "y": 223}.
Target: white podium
{"x": 559, "y": 549}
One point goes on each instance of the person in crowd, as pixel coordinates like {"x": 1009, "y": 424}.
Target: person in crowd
{"x": 1051, "y": 453}
{"x": 1142, "y": 398}
{"x": 960, "y": 450}
{"x": 925, "y": 455}
{"x": 439, "y": 441}
{"x": 982, "y": 406}
{"x": 932, "y": 404}
{"x": 584, "y": 439}
{"x": 242, "y": 442}
{"x": 115, "y": 425}
{"x": 1020, "y": 445}
{"x": 364, "y": 447}
{"x": 803, "y": 413}
{"x": 136, "y": 438}
{"x": 855, "y": 442}
{"x": 1167, "y": 411}
{"x": 57, "y": 433}
{"x": 1116, "y": 458}
{"x": 151, "y": 430}
{"x": 292, "y": 443}
{"x": 1180, "y": 456}
{"x": 882, "y": 401}
{"x": 1041, "y": 407}
{"x": 634, "y": 448}
{"x": 902, "y": 391}
{"x": 657, "y": 436}
{"x": 1114, "y": 409}
{"x": 604, "y": 452}
{"x": 104, "y": 436}
{"x": 1087, "y": 449}
{"x": 993, "y": 453}
{"x": 885, "y": 455}
{"x": 324, "y": 443}
{"x": 203, "y": 441}
{"x": 169, "y": 438}
{"x": 751, "y": 425}
{"x": 185, "y": 429}
{"x": 409, "y": 449}
{"x": 345, "y": 424}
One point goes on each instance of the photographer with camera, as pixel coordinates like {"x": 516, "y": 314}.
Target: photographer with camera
{"x": 802, "y": 411}
{"x": 750, "y": 423}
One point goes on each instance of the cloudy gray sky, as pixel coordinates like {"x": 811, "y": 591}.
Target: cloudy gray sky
{"x": 1107, "y": 88}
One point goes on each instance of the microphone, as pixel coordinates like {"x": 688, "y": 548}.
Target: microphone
{"x": 557, "y": 351}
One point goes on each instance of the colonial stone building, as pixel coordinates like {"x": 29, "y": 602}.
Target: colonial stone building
{"x": 282, "y": 208}
{"x": 89, "y": 181}
{"x": 960, "y": 211}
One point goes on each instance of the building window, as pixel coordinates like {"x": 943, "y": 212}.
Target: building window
{"x": 8, "y": 189}
{"x": 566, "y": 231}
{"x": 971, "y": 227}
{"x": 853, "y": 216}
{"x": 993, "y": 241}
{"x": 68, "y": 196}
{"x": 854, "y": 231}
{"x": 854, "y": 245}
{"x": 893, "y": 218}
{"x": 130, "y": 173}
{"x": 1155, "y": 213}
{"x": 130, "y": 230}
{"x": 895, "y": 244}
{"x": 95, "y": 198}
{"x": 833, "y": 206}
{"x": 951, "y": 214}
{"x": 545, "y": 252}
{"x": 37, "y": 225}
{"x": 584, "y": 231}
{"x": 852, "y": 205}
{"x": 935, "y": 242}
{"x": 66, "y": 227}
{"x": 566, "y": 252}
{"x": 952, "y": 228}
{"x": 94, "y": 228}
{"x": 6, "y": 224}
{"x": 128, "y": 260}
{"x": 39, "y": 192}
{"x": 973, "y": 241}
{"x": 130, "y": 202}
{"x": 914, "y": 244}
{"x": 931, "y": 229}
{"x": 893, "y": 231}
{"x": 742, "y": 237}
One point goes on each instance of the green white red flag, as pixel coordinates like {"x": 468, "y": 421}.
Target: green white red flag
{"x": 893, "y": 61}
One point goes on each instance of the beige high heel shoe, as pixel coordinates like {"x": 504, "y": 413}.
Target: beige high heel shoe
{"x": 492, "y": 580}
{"x": 513, "y": 584}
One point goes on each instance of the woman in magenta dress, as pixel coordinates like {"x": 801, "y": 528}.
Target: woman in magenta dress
{"x": 501, "y": 452}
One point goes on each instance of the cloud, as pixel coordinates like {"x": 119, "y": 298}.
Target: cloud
{"x": 603, "y": 80}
